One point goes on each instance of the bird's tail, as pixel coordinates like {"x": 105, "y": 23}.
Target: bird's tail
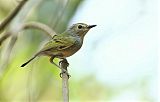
{"x": 28, "y": 61}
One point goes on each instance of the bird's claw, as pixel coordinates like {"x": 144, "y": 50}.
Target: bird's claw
{"x": 63, "y": 73}
{"x": 64, "y": 61}
{"x": 60, "y": 62}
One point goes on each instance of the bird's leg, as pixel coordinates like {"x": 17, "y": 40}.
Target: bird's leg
{"x": 64, "y": 64}
{"x": 51, "y": 60}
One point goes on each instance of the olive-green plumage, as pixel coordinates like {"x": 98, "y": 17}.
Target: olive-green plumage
{"x": 65, "y": 44}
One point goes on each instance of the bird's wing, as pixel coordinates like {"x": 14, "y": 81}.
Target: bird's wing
{"x": 59, "y": 43}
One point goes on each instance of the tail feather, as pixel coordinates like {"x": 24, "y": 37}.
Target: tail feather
{"x": 28, "y": 61}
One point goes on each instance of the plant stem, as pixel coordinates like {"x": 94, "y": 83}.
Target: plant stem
{"x": 12, "y": 14}
{"x": 40, "y": 26}
{"x": 65, "y": 77}
{"x": 32, "y": 25}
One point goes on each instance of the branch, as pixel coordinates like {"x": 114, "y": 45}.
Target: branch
{"x": 12, "y": 14}
{"x": 48, "y": 31}
{"x": 40, "y": 26}
{"x": 4, "y": 37}
{"x": 65, "y": 89}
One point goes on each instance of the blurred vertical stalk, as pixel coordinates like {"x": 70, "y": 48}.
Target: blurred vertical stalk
{"x": 12, "y": 14}
{"x": 13, "y": 30}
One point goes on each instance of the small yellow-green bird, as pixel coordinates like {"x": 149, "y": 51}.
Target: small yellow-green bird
{"x": 65, "y": 44}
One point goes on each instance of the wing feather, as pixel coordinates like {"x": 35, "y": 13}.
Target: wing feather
{"x": 59, "y": 43}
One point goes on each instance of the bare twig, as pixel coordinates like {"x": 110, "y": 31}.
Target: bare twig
{"x": 65, "y": 77}
{"x": 40, "y": 26}
{"x": 4, "y": 37}
{"x": 32, "y": 25}
{"x": 12, "y": 14}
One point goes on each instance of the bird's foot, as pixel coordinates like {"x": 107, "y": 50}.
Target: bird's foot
{"x": 51, "y": 60}
{"x": 64, "y": 64}
{"x": 64, "y": 72}
{"x": 64, "y": 61}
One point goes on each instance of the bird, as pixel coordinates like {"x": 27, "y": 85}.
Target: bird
{"x": 65, "y": 44}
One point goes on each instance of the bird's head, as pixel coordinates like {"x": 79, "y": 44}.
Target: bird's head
{"x": 80, "y": 29}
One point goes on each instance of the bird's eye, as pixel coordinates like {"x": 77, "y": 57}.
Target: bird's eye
{"x": 80, "y": 26}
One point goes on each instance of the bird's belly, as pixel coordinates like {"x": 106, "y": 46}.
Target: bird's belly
{"x": 70, "y": 51}
{"x": 62, "y": 53}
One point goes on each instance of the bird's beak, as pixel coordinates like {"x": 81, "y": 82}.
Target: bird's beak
{"x": 91, "y": 26}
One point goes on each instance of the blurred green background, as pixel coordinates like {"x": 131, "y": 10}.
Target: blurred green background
{"x": 117, "y": 63}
